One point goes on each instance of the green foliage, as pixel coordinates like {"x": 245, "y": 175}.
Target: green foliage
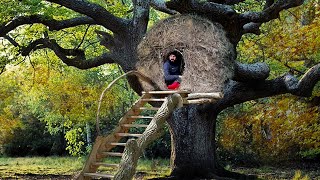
{"x": 75, "y": 143}
{"x": 287, "y": 43}
{"x": 298, "y": 176}
{"x": 249, "y": 5}
{"x": 61, "y": 97}
{"x": 283, "y": 128}
{"x": 31, "y": 138}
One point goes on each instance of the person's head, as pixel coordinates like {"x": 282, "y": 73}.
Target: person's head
{"x": 172, "y": 57}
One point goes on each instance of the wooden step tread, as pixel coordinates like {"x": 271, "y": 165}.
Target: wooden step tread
{"x": 99, "y": 175}
{"x": 113, "y": 154}
{"x": 153, "y": 100}
{"x": 166, "y": 92}
{"x": 140, "y": 117}
{"x": 118, "y": 144}
{"x": 128, "y": 135}
{"x": 105, "y": 164}
{"x": 149, "y": 108}
{"x": 135, "y": 125}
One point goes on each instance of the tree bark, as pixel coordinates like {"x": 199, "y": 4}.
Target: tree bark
{"x": 193, "y": 145}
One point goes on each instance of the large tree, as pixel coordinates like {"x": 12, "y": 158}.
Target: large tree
{"x": 192, "y": 127}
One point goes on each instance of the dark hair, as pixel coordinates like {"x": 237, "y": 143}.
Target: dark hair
{"x": 179, "y": 57}
{"x": 176, "y": 53}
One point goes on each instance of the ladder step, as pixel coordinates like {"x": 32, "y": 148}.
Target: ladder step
{"x": 113, "y": 154}
{"x": 134, "y": 125}
{"x": 166, "y": 92}
{"x": 140, "y": 117}
{"x": 98, "y": 175}
{"x": 149, "y": 108}
{"x": 105, "y": 164}
{"x": 152, "y": 100}
{"x": 118, "y": 144}
{"x": 128, "y": 135}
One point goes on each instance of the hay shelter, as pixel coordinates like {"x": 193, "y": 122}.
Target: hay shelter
{"x": 205, "y": 49}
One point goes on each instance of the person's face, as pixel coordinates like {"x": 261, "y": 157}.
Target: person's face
{"x": 172, "y": 57}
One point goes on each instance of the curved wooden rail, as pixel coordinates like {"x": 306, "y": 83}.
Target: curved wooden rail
{"x": 138, "y": 74}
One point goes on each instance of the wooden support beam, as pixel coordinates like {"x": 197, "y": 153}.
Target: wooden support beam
{"x": 152, "y": 100}
{"x": 135, "y": 125}
{"x": 200, "y": 101}
{"x": 140, "y": 117}
{"x": 213, "y": 95}
{"x": 167, "y": 92}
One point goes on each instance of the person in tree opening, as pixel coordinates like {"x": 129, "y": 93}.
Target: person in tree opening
{"x": 172, "y": 71}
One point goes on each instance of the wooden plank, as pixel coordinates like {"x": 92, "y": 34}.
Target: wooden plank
{"x": 135, "y": 125}
{"x": 149, "y": 108}
{"x": 140, "y": 117}
{"x": 213, "y": 95}
{"x": 128, "y": 135}
{"x": 152, "y": 100}
{"x": 166, "y": 92}
{"x": 112, "y": 154}
{"x": 99, "y": 175}
{"x": 117, "y": 144}
{"x": 134, "y": 110}
{"x": 105, "y": 164}
{"x": 200, "y": 101}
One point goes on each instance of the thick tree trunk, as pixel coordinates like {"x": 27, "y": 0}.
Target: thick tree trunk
{"x": 192, "y": 133}
{"x": 193, "y": 145}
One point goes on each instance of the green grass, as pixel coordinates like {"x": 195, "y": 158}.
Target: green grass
{"x": 12, "y": 167}
{"x": 69, "y": 166}
{"x": 66, "y": 167}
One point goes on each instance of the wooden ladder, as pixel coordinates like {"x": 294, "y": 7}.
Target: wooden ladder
{"x": 104, "y": 145}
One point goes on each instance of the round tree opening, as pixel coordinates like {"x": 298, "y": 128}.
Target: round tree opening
{"x": 173, "y": 68}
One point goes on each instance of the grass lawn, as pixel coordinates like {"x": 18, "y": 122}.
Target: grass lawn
{"x": 68, "y": 167}
{"x": 39, "y": 166}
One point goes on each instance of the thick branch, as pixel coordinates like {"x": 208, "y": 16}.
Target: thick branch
{"x": 221, "y": 13}
{"x": 96, "y": 12}
{"x": 238, "y": 92}
{"x": 307, "y": 82}
{"x": 269, "y": 13}
{"x": 228, "y": 2}
{"x": 77, "y": 58}
{"x": 12, "y": 41}
{"x": 140, "y": 18}
{"x": 160, "y": 5}
{"x": 251, "y": 72}
{"x": 253, "y": 27}
{"x": 51, "y": 23}
{"x": 208, "y": 8}
{"x": 106, "y": 39}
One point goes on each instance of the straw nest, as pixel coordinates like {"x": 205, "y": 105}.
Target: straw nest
{"x": 207, "y": 53}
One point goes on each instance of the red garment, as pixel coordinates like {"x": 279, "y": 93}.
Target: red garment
{"x": 174, "y": 85}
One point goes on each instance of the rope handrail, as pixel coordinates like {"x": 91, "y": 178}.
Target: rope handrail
{"x": 138, "y": 74}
